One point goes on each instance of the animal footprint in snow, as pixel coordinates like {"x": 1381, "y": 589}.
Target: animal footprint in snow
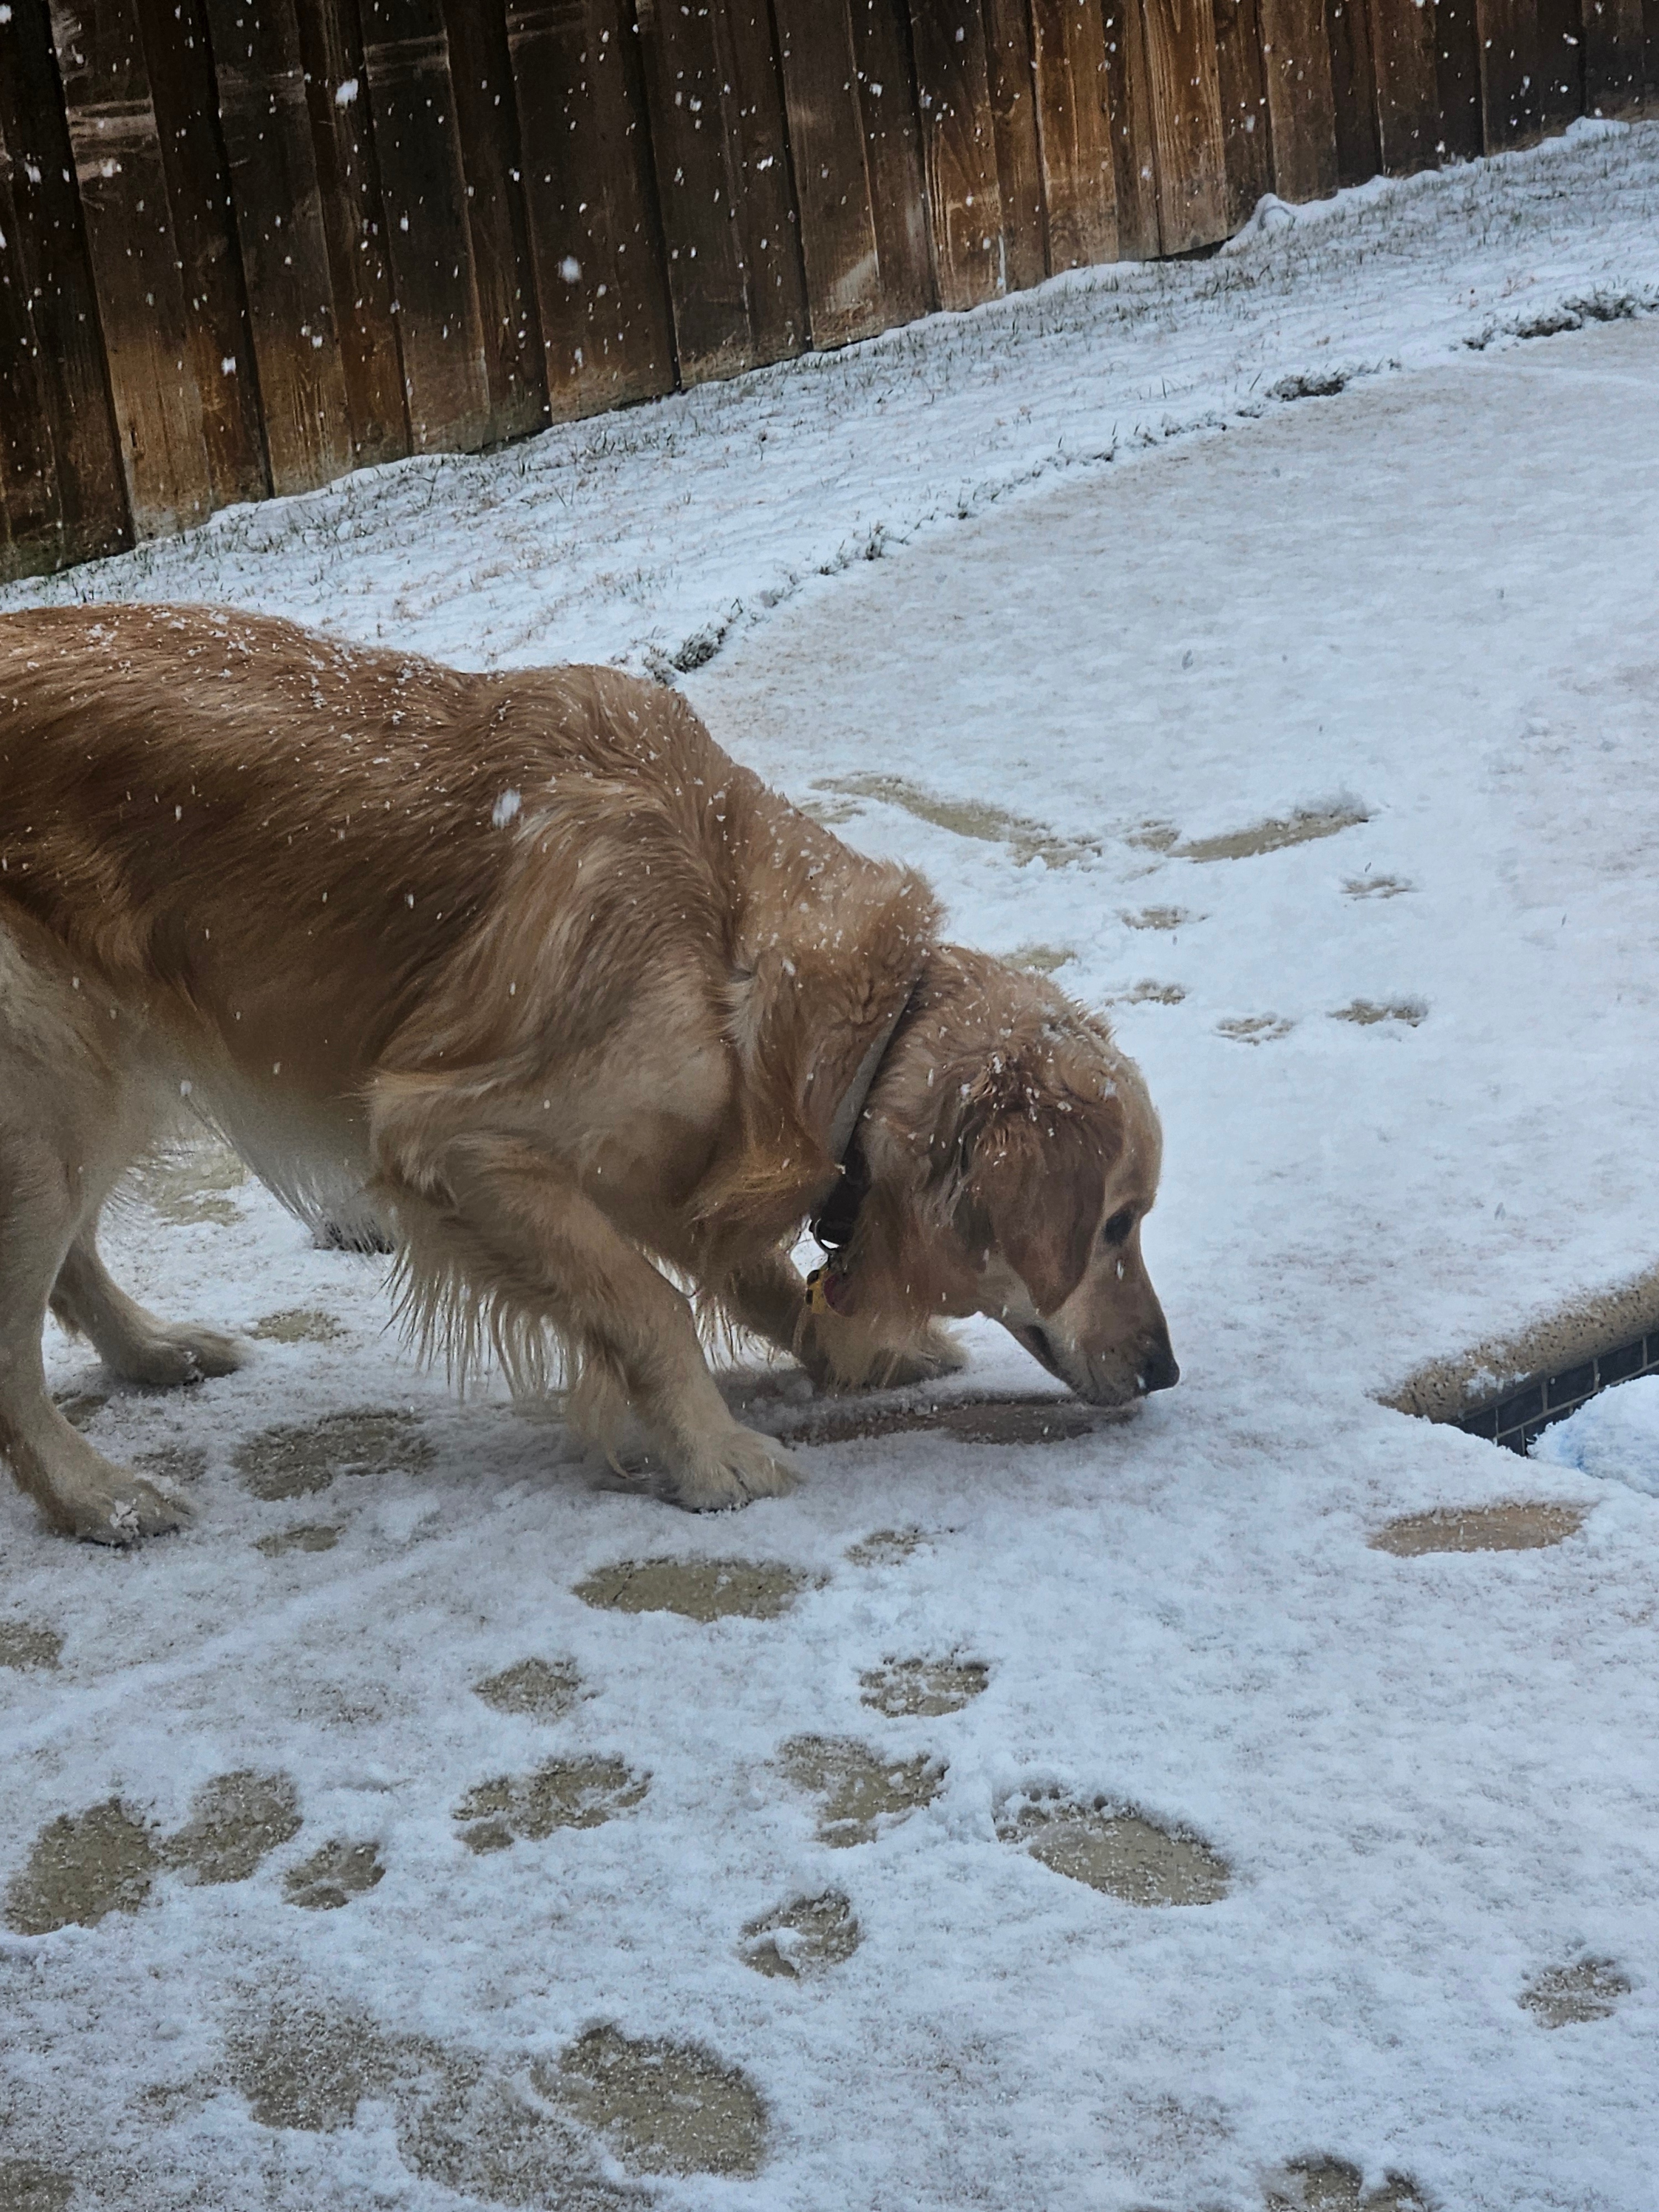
{"x": 291, "y": 1462}
{"x": 803, "y": 1937}
{"x": 1517, "y": 1526}
{"x": 26, "y": 1647}
{"x": 538, "y": 1688}
{"x": 661, "y": 2108}
{"x": 1331, "y": 2184}
{"x": 861, "y": 1794}
{"x": 332, "y": 1876}
{"x": 1366, "y": 1012}
{"x": 1158, "y": 917}
{"x": 1376, "y": 886}
{"x": 1115, "y": 1850}
{"x": 1565, "y": 1997}
{"x": 565, "y": 1793}
{"x": 885, "y": 1547}
{"x": 1256, "y": 1029}
{"x": 698, "y": 1589}
{"x": 1300, "y": 829}
{"x": 1149, "y": 994}
{"x": 235, "y": 1822}
{"x": 303, "y": 1536}
{"x": 923, "y": 1687}
{"x": 298, "y": 1325}
{"x": 84, "y": 1867}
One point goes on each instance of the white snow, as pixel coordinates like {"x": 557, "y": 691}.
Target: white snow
{"x": 1613, "y": 1438}
{"x": 1426, "y": 605}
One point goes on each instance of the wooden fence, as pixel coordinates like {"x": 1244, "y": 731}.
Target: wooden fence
{"x": 248, "y": 244}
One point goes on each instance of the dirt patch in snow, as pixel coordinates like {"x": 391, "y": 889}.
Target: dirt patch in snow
{"x": 962, "y": 817}
{"x": 28, "y": 2186}
{"x": 25, "y": 1646}
{"x": 1332, "y": 2184}
{"x": 1254, "y": 1029}
{"x": 1515, "y": 1526}
{"x": 861, "y": 1794}
{"x": 291, "y": 1461}
{"x": 1270, "y": 836}
{"x": 190, "y": 1187}
{"x": 540, "y": 1689}
{"x": 304, "y": 1537}
{"x": 803, "y": 1937}
{"x": 661, "y": 2107}
{"x": 84, "y": 1867}
{"x": 1366, "y": 1012}
{"x": 235, "y": 1822}
{"x": 1117, "y": 1851}
{"x": 298, "y": 1325}
{"x": 971, "y": 1420}
{"x": 697, "y": 1590}
{"x": 333, "y": 1875}
{"x": 924, "y": 1687}
{"x": 1566, "y": 1996}
{"x": 885, "y": 1547}
{"x": 565, "y": 1793}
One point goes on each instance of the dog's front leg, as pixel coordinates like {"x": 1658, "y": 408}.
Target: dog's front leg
{"x": 840, "y": 1352}
{"x": 508, "y": 1228}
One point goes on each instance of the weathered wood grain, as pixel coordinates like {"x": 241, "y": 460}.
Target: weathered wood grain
{"x": 1189, "y": 149}
{"x": 1297, "y": 56}
{"x": 1615, "y": 68}
{"x": 481, "y": 75}
{"x": 185, "y": 97}
{"x": 1354, "y": 91}
{"x": 885, "y": 83}
{"x": 596, "y": 240}
{"x": 1404, "y": 65}
{"x": 31, "y": 516}
{"x": 354, "y": 230}
{"x": 959, "y": 149}
{"x": 1075, "y": 133}
{"x": 1509, "y": 72}
{"x": 1457, "y": 73}
{"x": 1013, "y": 120}
{"x": 723, "y": 179}
{"x": 423, "y": 188}
{"x": 54, "y": 268}
{"x": 117, "y": 156}
{"x": 1246, "y": 128}
{"x": 1128, "y": 73}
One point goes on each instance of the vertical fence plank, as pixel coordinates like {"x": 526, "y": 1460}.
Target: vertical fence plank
{"x": 1129, "y": 101}
{"x": 959, "y": 151}
{"x": 1075, "y": 133}
{"x": 423, "y": 188}
{"x": 1509, "y": 73}
{"x": 56, "y": 269}
{"x": 181, "y": 59}
{"x": 1189, "y": 153}
{"x": 1013, "y": 119}
{"x": 290, "y": 295}
{"x": 481, "y": 76}
{"x": 1403, "y": 62}
{"x": 353, "y": 221}
{"x": 722, "y": 165}
{"x": 1354, "y": 91}
{"x": 590, "y": 190}
{"x": 31, "y": 517}
{"x": 1457, "y": 73}
{"x": 1295, "y": 54}
{"x": 1650, "y": 21}
{"x": 1247, "y": 138}
{"x": 1614, "y": 61}
{"x": 883, "y": 77}
{"x": 135, "y": 260}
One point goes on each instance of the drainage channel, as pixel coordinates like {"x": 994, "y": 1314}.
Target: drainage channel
{"x": 1515, "y": 1420}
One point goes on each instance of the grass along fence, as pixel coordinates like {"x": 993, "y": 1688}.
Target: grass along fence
{"x": 246, "y": 245}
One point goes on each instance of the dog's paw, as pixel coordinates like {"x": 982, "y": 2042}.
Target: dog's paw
{"x": 124, "y": 1510}
{"x": 736, "y": 1466}
{"x": 934, "y": 1355}
{"x": 173, "y": 1357}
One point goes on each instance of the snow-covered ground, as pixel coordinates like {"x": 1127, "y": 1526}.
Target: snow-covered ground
{"x": 1406, "y": 1070}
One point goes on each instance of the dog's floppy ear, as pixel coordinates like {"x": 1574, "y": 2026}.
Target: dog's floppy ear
{"x": 1033, "y": 1185}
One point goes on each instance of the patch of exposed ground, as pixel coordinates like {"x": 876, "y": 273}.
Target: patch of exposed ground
{"x": 304, "y": 1537}
{"x": 923, "y": 1687}
{"x": 565, "y": 1793}
{"x": 304, "y": 2067}
{"x": 1158, "y": 917}
{"x": 1567, "y": 1997}
{"x": 1367, "y": 1012}
{"x": 661, "y": 2107}
{"x": 332, "y": 1876}
{"x": 971, "y": 1420}
{"x": 697, "y": 1590}
{"x": 1376, "y": 886}
{"x": 1256, "y": 1029}
{"x": 540, "y": 1688}
{"x": 1517, "y": 1526}
{"x": 861, "y": 1794}
{"x": 189, "y": 1186}
{"x": 25, "y": 1646}
{"x": 483, "y": 2137}
{"x": 235, "y": 1822}
{"x": 173, "y": 1463}
{"x": 1042, "y": 959}
{"x": 298, "y": 1325}
{"x": 26, "y": 2185}
{"x": 802, "y": 1938}
{"x": 83, "y": 1866}
{"x": 1331, "y": 2184}
{"x": 292, "y": 1461}
{"x": 1273, "y": 836}
{"x": 964, "y": 817}
{"x": 885, "y": 1547}
{"x": 1146, "y": 993}
{"x": 1115, "y": 1850}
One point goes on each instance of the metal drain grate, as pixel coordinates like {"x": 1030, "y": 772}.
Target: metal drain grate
{"x": 1516, "y": 1418}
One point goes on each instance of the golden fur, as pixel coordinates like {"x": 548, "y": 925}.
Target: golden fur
{"x": 524, "y": 972}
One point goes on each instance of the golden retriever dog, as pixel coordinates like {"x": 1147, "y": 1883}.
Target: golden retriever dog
{"x": 523, "y": 972}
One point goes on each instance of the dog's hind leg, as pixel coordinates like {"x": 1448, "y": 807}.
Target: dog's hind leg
{"x": 78, "y": 1490}
{"x": 130, "y": 1342}
{"x": 493, "y": 1225}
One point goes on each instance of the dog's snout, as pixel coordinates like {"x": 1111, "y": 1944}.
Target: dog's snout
{"x": 1158, "y": 1371}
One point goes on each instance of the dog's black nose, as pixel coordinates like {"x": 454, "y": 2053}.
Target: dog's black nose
{"x": 1159, "y": 1371}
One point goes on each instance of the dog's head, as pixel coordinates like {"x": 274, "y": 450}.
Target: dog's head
{"x": 1028, "y": 1153}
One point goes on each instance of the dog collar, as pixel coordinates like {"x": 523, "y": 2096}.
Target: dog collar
{"x": 833, "y": 1226}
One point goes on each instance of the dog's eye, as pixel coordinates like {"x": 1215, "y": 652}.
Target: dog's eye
{"x": 1118, "y": 1227}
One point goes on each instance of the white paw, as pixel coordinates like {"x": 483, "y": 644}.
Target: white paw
{"x": 125, "y": 1511}
{"x": 738, "y": 1466}
{"x": 177, "y": 1356}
